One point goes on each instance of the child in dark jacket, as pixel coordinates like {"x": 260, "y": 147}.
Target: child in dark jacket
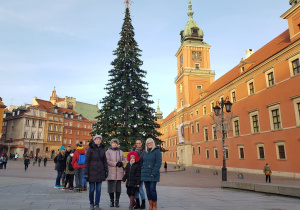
{"x": 132, "y": 176}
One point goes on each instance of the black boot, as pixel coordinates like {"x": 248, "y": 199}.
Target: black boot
{"x": 137, "y": 205}
{"x": 117, "y": 203}
{"x": 117, "y": 199}
{"x": 111, "y": 195}
{"x": 112, "y": 203}
{"x": 143, "y": 206}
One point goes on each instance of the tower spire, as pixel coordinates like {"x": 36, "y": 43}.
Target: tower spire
{"x": 128, "y": 3}
{"x": 190, "y": 13}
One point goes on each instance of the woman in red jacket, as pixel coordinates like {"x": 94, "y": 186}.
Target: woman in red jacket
{"x": 78, "y": 161}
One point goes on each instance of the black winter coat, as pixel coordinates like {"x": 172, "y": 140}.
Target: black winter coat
{"x": 132, "y": 174}
{"x": 61, "y": 163}
{"x": 95, "y": 167}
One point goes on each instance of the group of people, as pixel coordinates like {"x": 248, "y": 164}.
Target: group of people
{"x": 69, "y": 163}
{"x": 142, "y": 169}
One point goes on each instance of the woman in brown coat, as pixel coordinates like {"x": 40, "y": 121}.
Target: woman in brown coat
{"x": 115, "y": 162}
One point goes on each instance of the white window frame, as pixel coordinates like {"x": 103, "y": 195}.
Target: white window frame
{"x": 212, "y": 132}
{"x": 291, "y": 64}
{"x": 258, "y": 154}
{"x": 207, "y": 153}
{"x": 277, "y": 144}
{"x": 212, "y": 105}
{"x": 297, "y": 114}
{"x": 192, "y": 129}
{"x": 271, "y": 108}
{"x": 198, "y": 150}
{"x": 267, "y": 79}
{"x": 216, "y": 150}
{"x": 233, "y": 126}
{"x": 251, "y": 121}
{"x": 239, "y": 151}
{"x": 204, "y": 110}
{"x": 232, "y": 97}
{"x": 206, "y": 127}
{"x": 197, "y": 127}
{"x": 248, "y": 87}
{"x": 196, "y": 112}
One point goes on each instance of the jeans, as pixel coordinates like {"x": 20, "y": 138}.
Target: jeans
{"x": 95, "y": 186}
{"x": 140, "y": 192}
{"x": 268, "y": 177}
{"x": 84, "y": 183}
{"x": 78, "y": 177}
{"x": 63, "y": 178}
{"x": 151, "y": 191}
{"x": 58, "y": 178}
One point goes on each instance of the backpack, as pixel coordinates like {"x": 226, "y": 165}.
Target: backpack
{"x": 81, "y": 159}
{"x": 55, "y": 159}
{"x": 70, "y": 166}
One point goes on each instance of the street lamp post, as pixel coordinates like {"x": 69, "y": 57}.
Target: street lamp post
{"x": 217, "y": 109}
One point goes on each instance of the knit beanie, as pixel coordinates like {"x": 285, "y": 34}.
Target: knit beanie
{"x": 114, "y": 140}
{"x": 97, "y": 136}
{"x": 62, "y": 148}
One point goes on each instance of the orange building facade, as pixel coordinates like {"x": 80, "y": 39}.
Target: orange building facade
{"x": 265, "y": 118}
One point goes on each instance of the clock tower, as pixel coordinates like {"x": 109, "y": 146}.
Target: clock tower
{"x": 193, "y": 64}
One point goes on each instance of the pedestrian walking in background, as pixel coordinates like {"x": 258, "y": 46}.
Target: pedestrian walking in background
{"x": 115, "y": 161}
{"x": 78, "y": 162}
{"x": 150, "y": 173}
{"x": 69, "y": 171}
{"x": 45, "y": 161}
{"x": 1, "y": 161}
{"x": 5, "y": 158}
{"x": 166, "y": 167}
{"x": 139, "y": 148}
{"x": 63, "y": 176}
{"x": 95, "y": 170}
{"x": 39, "y": 161}
{"x": 26, "y": 161}
{"x": 60, "y": 166}
{"x": 132, "y": 176}
{"x": 267, "y": 172}
{"x": 35, "y": 160}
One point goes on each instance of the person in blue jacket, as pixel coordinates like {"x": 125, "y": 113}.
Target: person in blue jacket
{"x": 150, "y": 173}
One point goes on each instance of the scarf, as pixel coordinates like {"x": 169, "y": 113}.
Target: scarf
{"x": 117, "y": 148}
{"x": 79, "y": 147}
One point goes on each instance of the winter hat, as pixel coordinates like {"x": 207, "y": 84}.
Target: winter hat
{"x": 137, "y": 158}
{"x": 97, "y": 136}
{"x": 114, "y": 140}
{"x": 79, "y": 144}
{"x": 62, "y": 148}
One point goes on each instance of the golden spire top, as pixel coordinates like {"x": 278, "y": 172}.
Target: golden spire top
{"x": 128, "y": 3}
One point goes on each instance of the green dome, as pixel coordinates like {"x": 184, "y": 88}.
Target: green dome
{"x": 192, "y": 31}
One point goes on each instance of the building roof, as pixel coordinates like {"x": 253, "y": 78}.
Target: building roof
{"x": 89, "y": 111}
{"x": 276, "y": 45}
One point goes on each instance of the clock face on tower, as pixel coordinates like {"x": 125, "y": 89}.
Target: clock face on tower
{"x": 196, "y": 56}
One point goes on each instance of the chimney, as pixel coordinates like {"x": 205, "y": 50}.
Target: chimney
{"x": 249, "y": 52}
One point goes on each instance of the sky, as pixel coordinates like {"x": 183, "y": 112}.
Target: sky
{"x": 69, "y": 44}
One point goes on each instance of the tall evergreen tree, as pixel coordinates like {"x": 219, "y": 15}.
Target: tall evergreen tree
{"x": 126, "y": 113}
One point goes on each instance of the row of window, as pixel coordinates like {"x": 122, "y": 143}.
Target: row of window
{"x": 53, "y": 137}
{"x": 77, "y": 125}
{"x": 55, "y": 118}
{"x": 84, "y": 133}
{"x": 34, "y": 123}
{"x": 69, "y": 141}
{"x": 71, "y": 116}
{"x": 54, "y": 128}
{"x": 279, "y": 147}
{"x": 33, "y": 135}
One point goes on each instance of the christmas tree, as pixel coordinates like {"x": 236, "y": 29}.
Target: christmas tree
{"x": 126, "y": 113}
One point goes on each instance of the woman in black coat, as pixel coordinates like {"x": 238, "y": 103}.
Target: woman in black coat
{"x": 95, "y": 170}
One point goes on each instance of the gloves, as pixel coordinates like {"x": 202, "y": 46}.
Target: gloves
{"x": 106, "y": 174}
{"x": 119, "y": 164}
{"x": 86, "y": 177}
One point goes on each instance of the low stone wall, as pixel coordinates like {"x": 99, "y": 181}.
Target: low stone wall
{"x": 264, "y": 188}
